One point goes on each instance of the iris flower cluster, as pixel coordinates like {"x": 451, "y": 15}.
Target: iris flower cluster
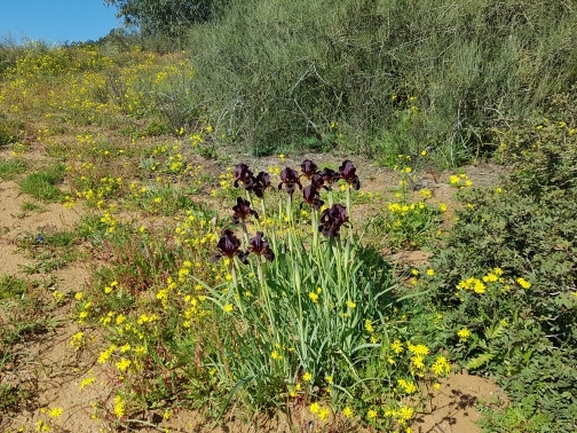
{"x": 330, "y": 221}
{"x": 229, "y": 246}
{"x": 257, "y": 184}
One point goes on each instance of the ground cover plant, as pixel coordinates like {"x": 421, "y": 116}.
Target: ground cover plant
{"x": 218, "y": 285}
{"x": 507, "y": 277}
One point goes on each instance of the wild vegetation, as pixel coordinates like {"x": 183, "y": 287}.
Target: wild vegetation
{"x": 262, "y": 286}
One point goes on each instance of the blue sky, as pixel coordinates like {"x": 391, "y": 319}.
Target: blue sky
{"x": 56, "y": 21}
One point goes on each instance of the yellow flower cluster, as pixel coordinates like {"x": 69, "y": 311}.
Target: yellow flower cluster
{"x": 402, "y": 415}
{"x": 320, "y": 411}
{"x": 472, "y": 284}
{"x": 460, "y": 181}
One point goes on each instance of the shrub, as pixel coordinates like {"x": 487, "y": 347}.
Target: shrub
{"x": 506, "y": 276}
{"x": 277, "y": 75}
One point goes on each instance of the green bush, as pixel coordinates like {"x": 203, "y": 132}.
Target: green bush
{"x": 313, "y": 74}
{"x": 506, "y": 277}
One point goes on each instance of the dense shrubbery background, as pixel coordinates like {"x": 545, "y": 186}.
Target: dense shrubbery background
{"x": 378, "y": 78}
{"x": 395, "y": 76}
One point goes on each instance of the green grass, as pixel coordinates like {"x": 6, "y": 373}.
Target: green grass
{"x": 43, "y": 185}
{"x": 50, "y": 249}
{"x": 11, "y": 286}
{"x": 30, "y": 206}
{"x": 10, "y": 168}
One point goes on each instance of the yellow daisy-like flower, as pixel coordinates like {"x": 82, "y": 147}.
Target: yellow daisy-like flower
{"x": 55, "y": 412}
{"x": 315, "y": 408}
{"x": 418, "y": 349}
{"x": 324, "y": 413}
{"x": 123, "y": 364}
{"x": 454, "y": 179}
{"x": 347, "y": 412}
{"x": 441, "y": 366}
{"x": 405, "y": 414}
{"x": 523, "y": 283}
{"x": 118, "y": 406}
{"x": 397, "y": 347}
{"x": 406, "y": 386}
{"x": 86, "y": 382}
{"x": 307, "y": 377}
{"x": 372, "y": 414}
{"x": 418, "y": 362}
{"x": 369, "y": 326}
{"x": 463, "y": 334}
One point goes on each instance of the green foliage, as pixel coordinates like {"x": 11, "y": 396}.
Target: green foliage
{"x": 12, "y": 397}
{"x": 408, "y": 221}
{"x": 11, "y": 167}
{"x": 49, "y": 248}
{"x": 280, "y": 75}
{"x": 166, "y": 18}
{"x": 506, "y": 277}
{"x": 9, "y": 130}
{"x": 11, "y": 286}
{"x": 42, "y": 185}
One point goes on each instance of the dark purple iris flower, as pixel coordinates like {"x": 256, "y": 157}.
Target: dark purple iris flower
{"x": 312, "y": 197}
{"x": 329, "y": 176}
{"x": 309, "y": 168}
{"x": 242, "y": 210}
{"x": 229, "y": 246}
{"x": 317, "y": 181}
{"x": 348, "y": 172}
{"x": 332, "y": 219}
{"x": 290, "y": 179}
{"x": 259, "y": 246}
{"x": 262, "y": 182}
{"x": 244, "y": 175}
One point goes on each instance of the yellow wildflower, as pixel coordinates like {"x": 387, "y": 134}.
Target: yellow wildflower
{"x": 324, "y": 413}
{"x": 369, "y": 326}
{"x": 347, "y": 412}
{"x": 118, "y": 406}
{"x": 464, "y": 334}
{"x": 315, "y": 408}
{"x": 406, "y": 386}
{"x": 523, "y": 283}
{"x": 55, "y": 412}
{"x": 441, "y": 366}
{"x": 314, "y": 297}
{"x": 397, "y": 346}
